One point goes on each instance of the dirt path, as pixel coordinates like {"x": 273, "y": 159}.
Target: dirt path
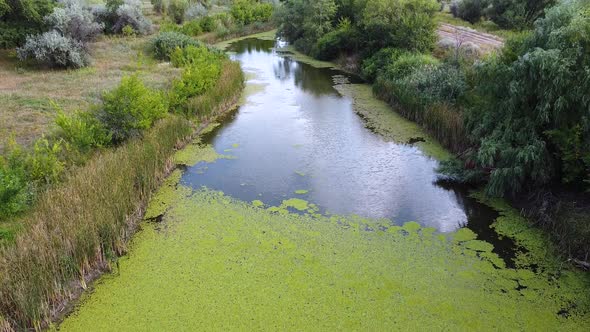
{"x": 459, "y": 35}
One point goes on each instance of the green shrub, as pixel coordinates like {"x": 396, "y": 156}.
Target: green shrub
{"x": 194, "y": 56}
{"x": 223, "y": 94}
{"x": 531, "y": 124}
{"x": 176, "y": 10}
{"x": 374, "y": 64}
{"x": 469, "y": 10}
{"x": 335, "y": 42}
{"x": 435, "y": 84}
{"x": 250, "y": 11}
{"x": 201, "y": 70}
{"x": 130, "y": 108}
{"x": 399, "y": 23}
{"x": 15, "y": 187}
{"x": 81, "y": 131}
{"x": 207, "y": 23}
{"x": 54, "y": 50}
{"x": 517, "y": 14}
{"x": 405, "y": 63}
{"x": 45, "y": 166}
{"x": 192, "y": 28}
{"x": 159, "y": 6}
{"x": 166, "y": 42}
{"x": 19, "y": 19}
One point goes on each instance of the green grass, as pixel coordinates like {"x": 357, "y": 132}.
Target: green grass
{"x": 26, "y": 90}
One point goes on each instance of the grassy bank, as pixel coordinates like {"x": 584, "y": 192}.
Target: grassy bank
{"x": 80, "y": 226}
{"x": 27, "y": 89}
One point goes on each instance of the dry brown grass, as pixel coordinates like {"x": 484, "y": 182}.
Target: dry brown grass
{"x": 26, "y": 90}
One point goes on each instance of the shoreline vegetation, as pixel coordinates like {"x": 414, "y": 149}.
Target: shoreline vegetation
{"x": 96, "y": 185}
{"x": 107, "y": 162}
{"x": 527, "y": 144}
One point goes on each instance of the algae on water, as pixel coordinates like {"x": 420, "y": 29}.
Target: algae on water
{"x": 224, "y": 264}
{"x": 195, "y": 153}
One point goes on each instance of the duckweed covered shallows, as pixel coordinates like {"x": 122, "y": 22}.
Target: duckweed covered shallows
{"x": 225, "y": 264}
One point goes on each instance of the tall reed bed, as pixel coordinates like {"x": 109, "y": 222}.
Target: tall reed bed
{"x": 80, "y": 225}
{"x": 442, "y": 119}
{"x": 223, "y": 95}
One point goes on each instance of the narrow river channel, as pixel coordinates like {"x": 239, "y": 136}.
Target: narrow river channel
{"x": 308, "y": 220}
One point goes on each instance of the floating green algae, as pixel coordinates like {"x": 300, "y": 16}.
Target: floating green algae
{"x": 301, "y": 192}
{"x": 257, "y": 203}
{"x": 223, "y": 264}
{"x": 168, "y": 193}
{"x": 299, "y": 173}
{"x": 383, "y": 120}
{"x": 195, "y": 153}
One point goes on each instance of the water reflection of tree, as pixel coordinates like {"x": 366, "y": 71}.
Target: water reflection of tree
{"x": 317, "y": 81}
{"x": 251, "y": 45}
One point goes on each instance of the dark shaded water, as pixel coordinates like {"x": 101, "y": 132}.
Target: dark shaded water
{"x": 296, "y": 132}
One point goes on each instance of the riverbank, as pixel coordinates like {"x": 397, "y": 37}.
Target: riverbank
{"x": 78, "y": 228}
{"x": 279, "y": 262}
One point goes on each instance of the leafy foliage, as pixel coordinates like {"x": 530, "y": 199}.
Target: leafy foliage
{"x": 130, "y": 108}
{"x": 167, "y": 42}
{"x": 250, "y": 11}
{"x": 54, "y": 50}
{"x": 82, "y": 131}
{"x": 366, "y": 26}
{"x": 20, "y": 18}
{"x": 399, "y": 23}
{"x": 469, "y": 10}
{"x": 177, "y": 9}
{"x": 130, "y": 14}
{"x": 516, "y": 13}
{"x": 74, "y": 22}
{"x": 532, "y": 123}
{"x": 199, "y": 75}
{"x": 335, "y": 42}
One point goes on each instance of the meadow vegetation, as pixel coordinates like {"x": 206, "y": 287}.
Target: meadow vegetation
{"x": 71, "y": 192}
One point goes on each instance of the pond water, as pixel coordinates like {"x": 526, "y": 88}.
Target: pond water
{"x": 296, "y": 133}
{"x": 300, "y": 218}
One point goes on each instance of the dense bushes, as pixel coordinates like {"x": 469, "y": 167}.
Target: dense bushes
{"x": 65, "y": 44}
{"x": 201, "y": 69}
{"x": 54, "y": 50}
{"x": 81, "y": 131}
{"x": 244, "y": 17}
{"x": 510, "y": 14}
{"x": 423, "y": 90}
{"x": 316, "y": 27}
{"x": 177, "y": 9}
{"x": 128, "y": 14}
{"x": 74, "y": 22}
{"x": 72, "y": 27}
{"x": 167, "y": 42}
{"x": 20, "y": 18}
{"x": 532, "y": 125}
{"x": 250, "y": 11}
{"x": 469, "y": 10}
{"x": 130, "y": 108}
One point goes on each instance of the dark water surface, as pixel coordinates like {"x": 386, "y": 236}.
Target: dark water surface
{"x": 296, "y": 132}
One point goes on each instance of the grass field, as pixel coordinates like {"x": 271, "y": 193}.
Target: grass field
{"x": 27, "y": 90}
